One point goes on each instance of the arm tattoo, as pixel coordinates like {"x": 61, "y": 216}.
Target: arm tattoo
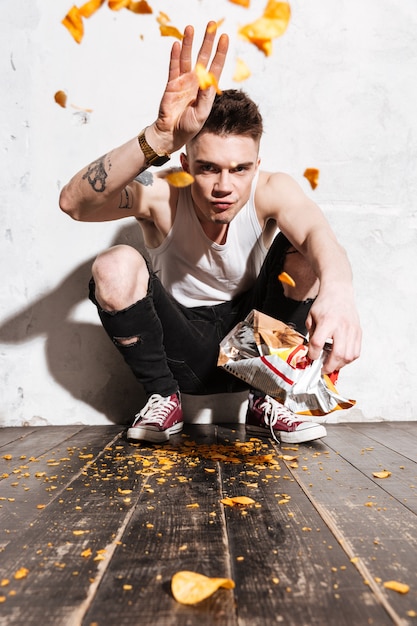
{"x": 125, "y": 199}
{"x": 96, "y": 175}
{"x": 145, "y": 178}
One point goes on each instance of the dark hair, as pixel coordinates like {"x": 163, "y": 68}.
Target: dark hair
{"x": 234, "y": 113}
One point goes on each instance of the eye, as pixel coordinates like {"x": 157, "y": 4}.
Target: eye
{"x": 239, "y": 168}
{"x": 207, "y": 167}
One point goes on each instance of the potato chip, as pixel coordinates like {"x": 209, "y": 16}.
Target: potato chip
{"x": 286, "y": 278}
{"x": 73, "y": 22}
{"x": 163, "y": 18}
{"x": 179, "y": 179}
{"x": 90, "y": 7}
{"x": 190, "y": 587}
{"x": 116, "y": 5}
{"x": 279, "y": 12}
{"x": 396, "y": 586}
{"x": 242, "y": 3}
{"x": 238, "y": 500}
{"x": 312, "y": 175}
{"x": 170, "y": 31}
{"x": 215, "y": 26}
{"x": 271, "y": 25}
{"x": 205, "y": 78}
{"x": 242, "y": 72}
{"x": 22, "y": 572}
{"x": 141, "y": 7}
{"x": 384, "y": 474}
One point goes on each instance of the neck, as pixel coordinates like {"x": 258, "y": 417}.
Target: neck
{"x": 216, "y": 232}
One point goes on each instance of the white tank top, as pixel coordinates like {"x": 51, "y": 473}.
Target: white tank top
{"x": 197, "y": 271}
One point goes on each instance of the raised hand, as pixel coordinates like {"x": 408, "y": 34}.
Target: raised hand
{"x": 184, "y": 106}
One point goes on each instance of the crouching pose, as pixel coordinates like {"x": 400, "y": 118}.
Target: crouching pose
{"x": 216, "y": 249}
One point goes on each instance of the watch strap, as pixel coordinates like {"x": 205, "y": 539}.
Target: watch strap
{"x": 152, "y": 157}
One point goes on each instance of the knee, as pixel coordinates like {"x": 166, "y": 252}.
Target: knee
{"x": 306, "y": 282}
{"x": 121, "y": 277}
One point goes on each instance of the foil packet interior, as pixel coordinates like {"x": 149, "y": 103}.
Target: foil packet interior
{"x": 272, "y": 357}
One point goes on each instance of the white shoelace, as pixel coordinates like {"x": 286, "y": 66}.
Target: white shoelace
{"x": 156, "y": 410}
{"x": 275, "y": 411}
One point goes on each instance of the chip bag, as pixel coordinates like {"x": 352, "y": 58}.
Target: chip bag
{"x": 272, "y": 357}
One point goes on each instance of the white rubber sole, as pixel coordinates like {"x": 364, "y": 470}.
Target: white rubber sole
{"x": 139, "y": 433}
{"x": 315, "y": 431}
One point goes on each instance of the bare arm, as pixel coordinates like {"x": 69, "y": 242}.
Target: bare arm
{"x": 333, "y": 314}
{"x": 104, "y": 189}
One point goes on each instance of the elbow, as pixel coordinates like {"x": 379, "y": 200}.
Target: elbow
{"x": 67, "y": 205}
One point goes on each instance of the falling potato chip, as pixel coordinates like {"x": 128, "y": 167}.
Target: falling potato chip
{"x": 73, "y": 22}
{"x": 90, "y": 7}
{"x": 116, "y": 5}
{"x": 215, "y": 26}
{"x": 141, "y": 7}
{"x": 396, "y": 586}
{"x": 286, "y": 278}
{"x": 163, "y": 18}
{"x": 61, "y": 98}
{"x": 170, "y": 31}
{"x": 384, "y": 474}
{"x": 242, "y": 72}
{"x": 179, "y": 179}
{"x": 205, "y": 78}
{"x": 191, "y": 587}
{"x": 271, "y": 25}
{"x": 312, "y": 175}
{"x": 243, "y": 3}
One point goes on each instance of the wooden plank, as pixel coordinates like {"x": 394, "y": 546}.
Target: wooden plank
{"x": 400, "y": 437}
{"x": 177, "y": 525}
{"x": 370, "y": 456}
{"x": 13, "y": 433}
{"x": 374, "y": 527}
{"x": 41, "y": 467}
{"x": 32, "y": 443}
{"x": 86, "y": 516}
{"x": 286, "y": 562}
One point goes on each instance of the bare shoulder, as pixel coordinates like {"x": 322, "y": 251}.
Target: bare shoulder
{"x": 155, "y": 205}
{"x": 277, "y": 191}
{"x": 153, "y": 194}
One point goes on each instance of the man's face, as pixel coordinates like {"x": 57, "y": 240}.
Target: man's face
{"x": 223, "y": 168}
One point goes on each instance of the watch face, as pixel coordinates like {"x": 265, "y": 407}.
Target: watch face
{"x": 159, "y": 160}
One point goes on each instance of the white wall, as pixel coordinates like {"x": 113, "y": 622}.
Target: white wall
{"x": 338, "y": 93}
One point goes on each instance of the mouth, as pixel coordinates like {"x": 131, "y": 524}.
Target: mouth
{"x": 220, "y": 207}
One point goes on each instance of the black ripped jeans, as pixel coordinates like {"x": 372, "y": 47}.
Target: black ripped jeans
{"x": 177, "y": 347}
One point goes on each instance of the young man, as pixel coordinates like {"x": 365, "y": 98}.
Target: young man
{"x": 214, "y": 252}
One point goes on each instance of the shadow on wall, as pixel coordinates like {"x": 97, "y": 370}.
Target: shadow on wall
{"x": 80, "y": 356}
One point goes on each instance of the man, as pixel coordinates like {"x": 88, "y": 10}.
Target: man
{"x": 208, "y": 245}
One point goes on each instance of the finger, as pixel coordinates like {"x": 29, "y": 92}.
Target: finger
{"x": 316, "y": 343}
{"x": 205, "y": 51}
{"x": 186, "y": 50}
{"x": 174, "y": 62}
{"x": 333, "y": 363}
{"x": 219, "y": 59}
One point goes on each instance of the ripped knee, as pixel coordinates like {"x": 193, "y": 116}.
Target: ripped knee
{"x": 126, "y": 342}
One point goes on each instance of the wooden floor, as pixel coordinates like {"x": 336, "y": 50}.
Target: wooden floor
{"x": 93, "y": 527}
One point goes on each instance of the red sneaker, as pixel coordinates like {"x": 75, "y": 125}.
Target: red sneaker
{"x": 158, "y": 420}
{"x": 266, "y": 416}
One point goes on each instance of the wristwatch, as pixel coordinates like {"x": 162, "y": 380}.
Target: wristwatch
{"x": 152, "y": 157}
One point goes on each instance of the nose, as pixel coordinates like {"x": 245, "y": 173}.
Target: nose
{"x": 222, "y": 186}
